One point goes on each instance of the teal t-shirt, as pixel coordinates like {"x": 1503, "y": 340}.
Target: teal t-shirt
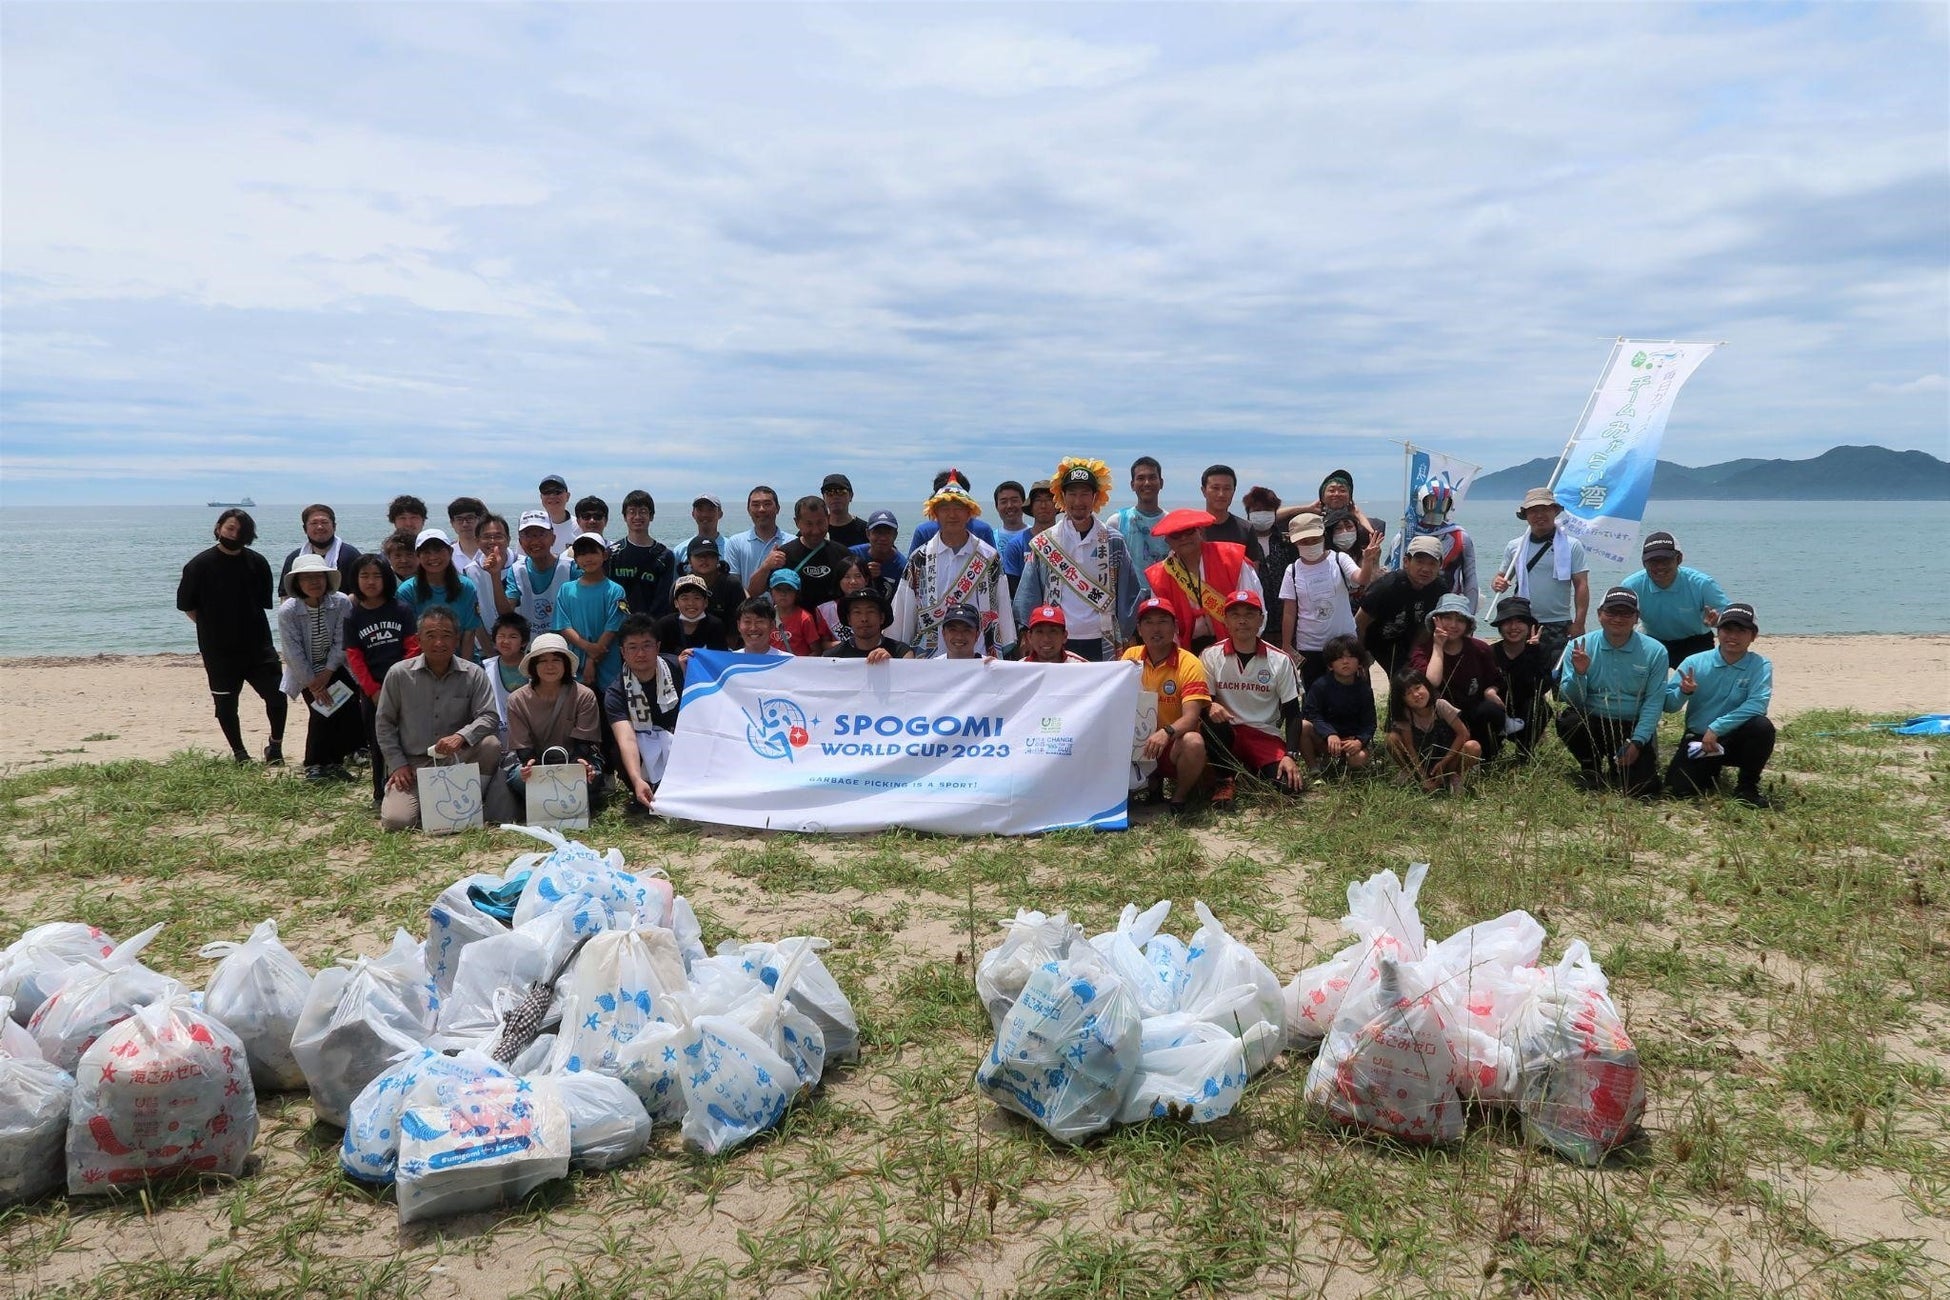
{"x": 593, "y": 609}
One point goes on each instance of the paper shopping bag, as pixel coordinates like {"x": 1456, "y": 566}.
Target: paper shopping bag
{"x": 450, "y": 797}
{"x": 558, "y": 796}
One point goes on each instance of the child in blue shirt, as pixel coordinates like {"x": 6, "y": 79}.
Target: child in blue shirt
{"x": 1725, "y": 693}
{"x": 1337, "y": 719}
{"x": 589, "y": 613}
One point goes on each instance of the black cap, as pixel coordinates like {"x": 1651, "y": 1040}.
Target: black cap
{"x": 1739, "y": 614}
{"x": 1513, "y": 607}
{"x": 836, "y": 481}
{"x": 1658, "y": 546}
{"x": 847, "y": 602}
{"x": 704, "y": 546}
{"x": 963, "y": 614}
{"x": 1079, "y": 476}
{"x": 1620, "y": 596}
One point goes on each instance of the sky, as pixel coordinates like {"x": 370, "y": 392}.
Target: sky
{"x": 335, "y": 251}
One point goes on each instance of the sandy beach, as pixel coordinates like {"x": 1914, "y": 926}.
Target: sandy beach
{"x": 55, "y": 710}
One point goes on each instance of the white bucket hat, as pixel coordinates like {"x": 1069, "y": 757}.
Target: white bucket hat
{"x": 549, "y": 643}
{"x": 309, "y": 563}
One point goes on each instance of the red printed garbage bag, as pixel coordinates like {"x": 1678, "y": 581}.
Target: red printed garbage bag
{"x": 1583, "y": 1090}
{"x": 1382, "y": 914}
{"x": 167, "y": 1091}
{"x": 1387, "y": 1064}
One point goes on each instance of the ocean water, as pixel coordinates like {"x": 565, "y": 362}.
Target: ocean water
{"x": 1807, "y": 567}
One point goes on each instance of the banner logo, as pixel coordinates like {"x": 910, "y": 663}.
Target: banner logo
{"x": 779, "y": 728}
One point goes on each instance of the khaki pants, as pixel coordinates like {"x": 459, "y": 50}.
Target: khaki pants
{"x": 399, "y": 810}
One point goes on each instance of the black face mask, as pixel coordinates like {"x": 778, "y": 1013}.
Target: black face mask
{"x": 230, "y": 544}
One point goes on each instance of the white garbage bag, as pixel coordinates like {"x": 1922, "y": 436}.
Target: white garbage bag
{"x": 505, "y": 966}
{"x": 1217, "y": 964}
{"x": 358, "y": 1017}
{"x": 618, "y": 985}
{"x": 14, "y": 1039}
{"x": 608, "y": 1126}
{"x": 690, "y": 935}
{"x": 37, "y": 963}
{"x": 736, "y": 1085}
{"x": 1489, "y": 974}
{"x": 815, "y": 993}
{"x": 1033, "y": 941}
{"x": 1153, "y": 987}
{"x": 1170, "y": 963}
{"x": 99, "y": 992}
{"x": 1187, "y": 1066}
{"x": 258, "y": 990}
{"x": 652, "y": 1065}
{"x": 1583, "y": 1092}
{"x": 496, "y": 1140}
{"x": 1381, "y": 913}
{"x": 165, "y": 1092}
{"x": 575, "y": 878}
{"x": 34, "y": 1100}
{"x": 1067, "y": 1053}
{"x": 453, "y": 922}
{"x": 369, "y": 1151}
{"x": 1387, "y": 1063}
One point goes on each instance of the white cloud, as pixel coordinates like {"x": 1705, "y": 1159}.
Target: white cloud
{"x": 1920, "y": 384}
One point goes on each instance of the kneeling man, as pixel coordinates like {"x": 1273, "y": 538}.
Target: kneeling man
{"x": 438, "y": 703}
{"x": 1177, "y": 678}
{"x": 1725, "y": 693}
{"x": 642, "y": 708}
{"x": 1613, "y": 682}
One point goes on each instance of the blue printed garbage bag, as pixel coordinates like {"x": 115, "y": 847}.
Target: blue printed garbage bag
{"x": 456, "y": 919}
{"x": 814, "y": 993}
{"x": 1188, "y": 1064}
{"x": 619, "y": 984}
{"x": 736, "y": 1085}
{"x": 34, "y": 1099}
{"x": 1033, "y": 940}
{"x": 1068, "y": 1051}
{"x": 575, "y": 875}
{"x": 608, "y": 1125}
{"x": 652, "y": 1065}
{"x": 1155, "y": 988}
{"x": 369, "y": 1151}
{"x": 1170, "y": 962}
{"x": 496, "y": 1140}
{"x": 258, "y": 990}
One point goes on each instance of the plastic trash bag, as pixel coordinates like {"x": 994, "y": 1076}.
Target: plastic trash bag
{"x": 369, "y": 1151}
{"x": 15, "y": 1041}
{"x": 497, "y": 1139}
{"x": 1489, "y": 973}
{"x": 1068, "y": 1051}
{"x": 608, "y": 1126}
{"x": 1387, "y": 1064}
{"x": 690, "y": 935}
{"x": 165, "y": 1092}
{"x": 1381, "y": 913}
{"x": 1186, "y": 1065}
{"x": 617, "y": 986}
{"x": 815, "y": 994}
{"x": 455, "y": 920}
{"x": 509, "y": 962}
{"x": 405, "y": 960}
{"x": 736, "y": 1085}
{"x": 652, "y": 1066}
{"x": 1583, "y": 1091}
{"x": 1170, "y": 963}
{"x": 1154, "y": 988}
{"x": 34, "y": 1100}
{"x": 37, "y": 963}
{"x": 1033, "y": 941}
{"x": 356, "y": 1020}
{"x": 258, "y": 991}
{"x": 98, "y": 993}
{"x": 575, "y": 877}
{"x": 1217, "y": 964}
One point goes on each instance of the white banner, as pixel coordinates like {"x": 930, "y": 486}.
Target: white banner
{"x": 1607, "y": 472}
{"x": 966, "y": 748}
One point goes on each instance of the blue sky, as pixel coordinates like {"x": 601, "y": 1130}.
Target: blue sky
{"x": 338, "y": 251}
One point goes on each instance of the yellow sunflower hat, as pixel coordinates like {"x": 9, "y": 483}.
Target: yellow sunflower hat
{"x": 1072, "y": 470}
{"x": 952, "y": 492}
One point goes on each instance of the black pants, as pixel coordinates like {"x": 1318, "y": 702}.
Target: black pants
{"x": 1686, "y": 645}
{"x": 228, "y": 677}
{"x": 1485, "y": 720}
{"x": 1747, "y": 748}
{"x": 1595, "y": 742}
{"x": 1551, "y": 639}
{"x": 369, "y": 714}
{"x": 329, "y": 740}
{"x": 1313, "y": 667}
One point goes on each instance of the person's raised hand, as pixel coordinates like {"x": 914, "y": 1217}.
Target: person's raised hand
{"x": 1500, "y": 583}
{"x": 1710, "y": 616}
{"x": 1580, "y": 658}
{"x": 1687, "y": 682}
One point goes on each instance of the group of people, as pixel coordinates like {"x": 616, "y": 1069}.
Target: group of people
{"x": 1253, "y": 633}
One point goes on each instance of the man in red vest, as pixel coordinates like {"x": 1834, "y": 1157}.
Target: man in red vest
{"x": 1197, "y": 576}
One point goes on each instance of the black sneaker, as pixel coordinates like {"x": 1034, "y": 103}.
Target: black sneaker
{"x": 240, "y": 756}
{"x": 1752, "y": 797}
{"x": 274, "y": 754}
{"x": 313, "y": 772}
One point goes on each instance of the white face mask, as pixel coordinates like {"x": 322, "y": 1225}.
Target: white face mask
{"x": 1311, "y": 552}
{"x": 1260, "y": 521}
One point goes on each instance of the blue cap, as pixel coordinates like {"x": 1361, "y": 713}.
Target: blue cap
{"x": 882, "y": 519}
{"x": 783, "y": 578}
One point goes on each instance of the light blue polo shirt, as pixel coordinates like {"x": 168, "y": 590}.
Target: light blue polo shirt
{"x": 1624, "y": 683}
{"x": 1724, "y": 695}
{"x": 1673, "y": 613}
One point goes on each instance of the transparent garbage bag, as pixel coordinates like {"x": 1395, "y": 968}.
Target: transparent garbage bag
{"x": 1583, "y": 1091}
{"x": 359, "y": 1016}
{"x": 1032, "y": 941}
{"x": 1067, "y": 1053}
{"x": 35, "y": 1097}
{"x": 491, "y": 1140}
{"x": 608, "y": 1125}
{"x": 97, "y": 993}
{"x": 37, "y": 963}
{"x": 369, "y": 1150}
{"x": 1387, "y": 1064}
{"x": 259, "y": 991}
{"x": 1382, "y": 914}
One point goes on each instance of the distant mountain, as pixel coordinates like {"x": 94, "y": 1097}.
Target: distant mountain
{"x": 1840, "y": 473}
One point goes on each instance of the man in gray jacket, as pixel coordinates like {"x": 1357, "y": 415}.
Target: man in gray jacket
{"x": 438, "y": 703}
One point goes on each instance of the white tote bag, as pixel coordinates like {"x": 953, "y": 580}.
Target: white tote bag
{"x": 450, "y": 797}
{"x": 558, "y": 796}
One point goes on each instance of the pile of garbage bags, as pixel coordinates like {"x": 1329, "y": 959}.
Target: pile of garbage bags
{"x": 550, "y": 1016}
{"x": 1410, "y": 1030}
{"x": 1127, "y": 1026}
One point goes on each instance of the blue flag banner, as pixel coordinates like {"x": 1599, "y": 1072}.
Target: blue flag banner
{"x": 1606, "y": 476}
{"x": 967, "y": 747}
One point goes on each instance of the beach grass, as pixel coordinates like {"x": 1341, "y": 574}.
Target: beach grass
{"x": 1786, "y": 975}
